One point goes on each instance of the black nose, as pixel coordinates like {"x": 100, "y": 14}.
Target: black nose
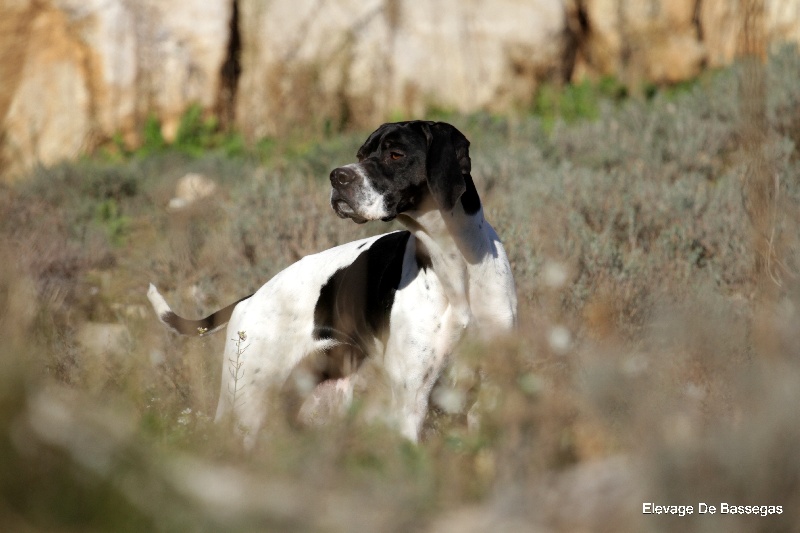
{"x": 342, "y": 177}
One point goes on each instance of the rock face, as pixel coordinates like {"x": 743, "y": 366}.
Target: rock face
{"x": 76, "y": 73}
{"x": 45, "y": 100}
{"x": 353, "y": 60}
{"x": 190, "y": 189}
{"x": 639, "y": 40}
{"x": 667, "y": 41}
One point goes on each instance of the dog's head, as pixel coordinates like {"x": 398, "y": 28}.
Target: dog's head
{"x": 399, "y": 165}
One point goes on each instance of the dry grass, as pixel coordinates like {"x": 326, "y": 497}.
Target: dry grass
{"x": 656, "y": 360}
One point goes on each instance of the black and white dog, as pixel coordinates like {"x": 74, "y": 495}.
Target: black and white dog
{"x": 401, "y": 299}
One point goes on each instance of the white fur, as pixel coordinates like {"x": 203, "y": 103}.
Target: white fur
{"x": 369, "y": 202}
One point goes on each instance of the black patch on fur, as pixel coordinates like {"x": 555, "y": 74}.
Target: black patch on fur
{"x": 184, "y": 326}
{"x": 422, "y": 257}
{"x": 355, "y": 303}
{"x": 470, "y": 200}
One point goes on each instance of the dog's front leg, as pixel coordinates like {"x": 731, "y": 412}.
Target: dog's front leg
{"x": 452, "y": 276}
{"x": 411, "y": 383}
{"x": 417, "y": 349}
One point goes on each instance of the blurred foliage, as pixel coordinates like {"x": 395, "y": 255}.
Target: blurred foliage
{"x": 198, "y": 134}
{"x": 656, "y": 360}
{"x": 153, "y": 140}
{"x": 578, "y": 101}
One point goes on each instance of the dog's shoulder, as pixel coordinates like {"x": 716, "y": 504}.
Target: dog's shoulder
{"x": 360, "y": 292}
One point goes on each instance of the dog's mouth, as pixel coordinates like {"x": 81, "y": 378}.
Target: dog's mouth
{"x": 343, "y": 210}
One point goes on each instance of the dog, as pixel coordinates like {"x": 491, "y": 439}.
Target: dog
{"x": 401, "y": 300}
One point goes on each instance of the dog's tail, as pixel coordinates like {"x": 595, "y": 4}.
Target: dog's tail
{"x": 184, "y": 326}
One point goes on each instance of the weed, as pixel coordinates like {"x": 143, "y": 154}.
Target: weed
{"x": 577, "y": 101}
{"x": 152, "y": 139}
{"x": 115, "y": 224}
{"x": 235, "y": 369}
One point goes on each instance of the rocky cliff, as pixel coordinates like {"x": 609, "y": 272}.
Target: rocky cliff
{"x": 74, "y": 73}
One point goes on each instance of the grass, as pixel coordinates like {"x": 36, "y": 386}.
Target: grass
{"x": 656, "y": 359}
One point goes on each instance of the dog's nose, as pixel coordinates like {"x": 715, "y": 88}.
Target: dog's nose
{"x": 342, "y": 176}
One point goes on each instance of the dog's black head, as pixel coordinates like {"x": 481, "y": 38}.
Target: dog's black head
{"x": 398, "y": 165}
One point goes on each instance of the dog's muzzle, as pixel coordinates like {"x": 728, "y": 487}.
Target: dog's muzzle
{"x": 342, "y": 180}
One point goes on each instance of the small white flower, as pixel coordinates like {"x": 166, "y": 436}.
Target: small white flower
{"x": 695, "y": 391}
{"x": 185, "y": 417}
{"x": 157, "y": 357}
{"x": 554, "y": 274}
{"x": 449, "y": 400}
{"x": 634, "y": 365}
{"x": 559, "y": 339}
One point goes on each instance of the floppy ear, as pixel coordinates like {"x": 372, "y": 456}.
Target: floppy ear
{"x": 446, "y": 163}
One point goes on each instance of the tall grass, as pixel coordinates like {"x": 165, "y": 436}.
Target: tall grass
{"x": 656, "y": 358}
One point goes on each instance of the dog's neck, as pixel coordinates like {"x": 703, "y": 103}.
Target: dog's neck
{"x": 456, "y": 228}
{"x": 454, "y": 241}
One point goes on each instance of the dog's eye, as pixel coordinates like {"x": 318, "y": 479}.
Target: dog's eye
{"x": 395, "y": 155}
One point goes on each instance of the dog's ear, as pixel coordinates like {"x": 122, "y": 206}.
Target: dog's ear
{"x": 447, "y": 163}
